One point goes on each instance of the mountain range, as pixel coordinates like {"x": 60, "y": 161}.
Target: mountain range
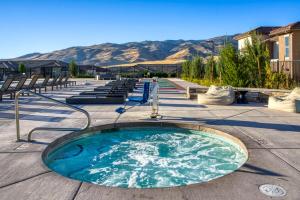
{"x": 108, "y": 54}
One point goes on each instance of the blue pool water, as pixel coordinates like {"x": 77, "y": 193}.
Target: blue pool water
{"x": 166, "y": 84}
{"x": 147, "y": 157}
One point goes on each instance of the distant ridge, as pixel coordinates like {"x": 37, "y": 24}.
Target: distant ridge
{"x": 134, "y": 52}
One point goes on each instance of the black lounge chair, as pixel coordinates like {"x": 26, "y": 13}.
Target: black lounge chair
{"x": 70, "y": 82}
{"x": 52, "y": 82}
{"x": 32, "y": 83}
{"x": 65, "y": 81}
{"x": 19, "y": 86}
{"x": 95, "y": 99}
{"x": 4, "y": 88}
{"x": 119, "y": 85}
{"x": 42, "y": 85}
{"x": 59, "y": 81}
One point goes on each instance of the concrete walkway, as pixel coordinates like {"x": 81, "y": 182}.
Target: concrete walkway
{"x": 272, "y": 139}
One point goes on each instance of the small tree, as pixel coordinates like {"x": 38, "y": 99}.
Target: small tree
{"x": 211, "y": 69}
{"x": 186, "y": 69}
{"x": 197, "y": 69}
{"x": 257, "y": 56}
{"x": 21, "y": 68}
{"x": 233, "y": 67}
{"x": 73, "y": 69}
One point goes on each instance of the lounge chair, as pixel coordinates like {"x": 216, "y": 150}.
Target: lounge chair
{"x": 96, "y": 99}
{"x": 65, "y": 81}
{"x": 32, "y": 83}
{"x": 5, "y": 86}
{"x": 217, "y": 96}
{"x": 52, "y": 82}
{"x": 43, "y": 84}
{"x": 105, "y": 93}
{"x": 289, "y": 103}
{"x": 71, "y": 82}
{"x": 59, "y": 81}
{"x": 145, "y": 97}
{"x": 19, "y": 86}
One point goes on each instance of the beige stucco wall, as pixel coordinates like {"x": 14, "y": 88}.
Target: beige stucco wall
{"x": 281, "y": 47}
{"x": 296, "y": 45}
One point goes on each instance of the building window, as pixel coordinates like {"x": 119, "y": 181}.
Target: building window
{"x": 286, "y": 46}
{"x": 275, "y": 50}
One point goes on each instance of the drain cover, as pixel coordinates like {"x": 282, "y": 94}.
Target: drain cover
{"x": 272, "y": 190}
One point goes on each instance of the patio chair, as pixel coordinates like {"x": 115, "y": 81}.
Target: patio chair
{"x": 145, "y": 97}
{"x": 217, "y": 96}
{"x": 31, "y": 84}
{"x": 70, "y": 82}
{"x": 5, "y": 86}
{"x": 289, "y": 103}
{"x": 19, "y": 86}
{"x": 96, "y": 99}
{"x": 42, "y": 85}
{"x": 65, "y": 81}
{"x": 52, "y": 82}
{"x": 59, "y": 81}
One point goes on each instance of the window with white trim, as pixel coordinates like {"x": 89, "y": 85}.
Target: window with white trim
{"x": 286, "y": 46}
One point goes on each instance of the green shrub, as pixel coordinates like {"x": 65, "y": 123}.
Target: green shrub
{"x": 211, "y": 71}
{"x": 73, "y": 69}
{"x": 197, "y": 68}
{"x": 186, "y": 69}
{"x": 21, "y": 68}
{"x": 85, "y": 76}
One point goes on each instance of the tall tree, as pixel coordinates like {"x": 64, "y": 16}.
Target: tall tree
{"x": 234, "y": 68}
{"x": 186, "y": 69}
{"x": 257, "y": 56}
{"x": 73, "y": 69}
{"x": 197, "y": 69}
{"x": 22, "y": 68}
{"x": 211, "y": 69}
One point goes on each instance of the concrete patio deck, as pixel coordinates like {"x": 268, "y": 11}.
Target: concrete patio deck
{"x": 272, "y": 138}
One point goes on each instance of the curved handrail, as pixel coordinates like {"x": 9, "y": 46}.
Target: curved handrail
{"x": 46, "y": 128}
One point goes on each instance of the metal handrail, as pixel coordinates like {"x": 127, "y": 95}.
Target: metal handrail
{"x": 46, "y": 128}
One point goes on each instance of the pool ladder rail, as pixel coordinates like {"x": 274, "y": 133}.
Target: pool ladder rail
{"x": 17, "y": 117}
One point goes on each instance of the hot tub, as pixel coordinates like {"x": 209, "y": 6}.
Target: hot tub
{"x": 146, "y": 155}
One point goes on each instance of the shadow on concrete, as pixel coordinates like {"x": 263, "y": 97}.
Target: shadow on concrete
{"x": 258, "y": 170}
{"x": 32, "y": 117}
{"x": 253, "y": 124}
{"x": 38, "y": 142}
{"x": 183, "y": 105}
{"x": 166, "y": 98}
{"x": 47, "y": 110}
{"x": 229, "y": 122}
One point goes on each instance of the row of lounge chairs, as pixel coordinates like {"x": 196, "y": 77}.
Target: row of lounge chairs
{"x": 14, "y": 84}
{"x": 114, "y": 92}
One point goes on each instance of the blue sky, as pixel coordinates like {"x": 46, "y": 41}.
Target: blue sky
{"x": 41, "y": 26}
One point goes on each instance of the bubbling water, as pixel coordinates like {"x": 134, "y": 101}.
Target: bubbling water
{"x": 147, "y": 157}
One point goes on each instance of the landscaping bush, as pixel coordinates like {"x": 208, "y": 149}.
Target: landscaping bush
{"x": 248, "y": 68}
{"x": 85, "y": 76}
{"x": 21, "y": 68}
{"x": 73, "y": 69}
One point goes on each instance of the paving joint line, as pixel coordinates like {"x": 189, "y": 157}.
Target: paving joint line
{"x": 269, "y": 150}
{"x": 3, "y": 152}
{"x": 265, "y": 148}
{"x": 228, "y": 117}
{"x": 76, "y": 191}
{"x": 24, "y": 179}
